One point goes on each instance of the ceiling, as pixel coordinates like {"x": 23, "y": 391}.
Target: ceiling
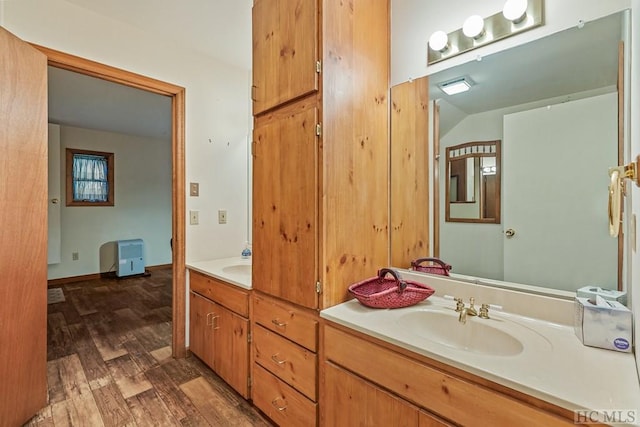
{"x": 220, "y": 29}
{"x": 561, "y": 65}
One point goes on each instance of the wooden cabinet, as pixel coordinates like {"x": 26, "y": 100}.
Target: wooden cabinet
{"x": 352, "y": 401}
{"x": 321, "y": 153}
{"x": 218, "y": 335}
{"x": 285, "y": 362}
{"x": 285, "y": 203}
{"x": 285, "y": 51}
{"x": 446, "y": 395}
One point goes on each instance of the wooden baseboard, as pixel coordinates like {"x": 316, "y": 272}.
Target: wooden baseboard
{"x": 94, "y": 276}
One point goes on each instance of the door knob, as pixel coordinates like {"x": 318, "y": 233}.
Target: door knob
{"x": 510, "y": 232}
{"x": 55, "y": 201}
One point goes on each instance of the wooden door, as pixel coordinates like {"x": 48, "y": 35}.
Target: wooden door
{"x": 231, "y": 349}
{"x": 201, "y": 312}
{"x": 409, "y": 172}
{"x": 285, "y": 204}
{"x": 23, "y": 230}
{"x": 285, "y": 51}
{"x": 350, "y": 401}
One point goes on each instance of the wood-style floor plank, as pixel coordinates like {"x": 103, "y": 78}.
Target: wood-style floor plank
{"x": 112, "y": 406}
{"x": 128, "y": 376}
{"x": 149, "y": 410}
{"x": 110, "y": 362}
{"x": 78, "y": 411}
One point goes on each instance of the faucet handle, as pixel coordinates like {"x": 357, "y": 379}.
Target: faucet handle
{"x": 484, "y": 311}
{"x": 459, "y": 304}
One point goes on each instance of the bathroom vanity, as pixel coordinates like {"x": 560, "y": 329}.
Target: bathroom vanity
{"x": 219, "y": 318}
{"x": 421, "y": 363}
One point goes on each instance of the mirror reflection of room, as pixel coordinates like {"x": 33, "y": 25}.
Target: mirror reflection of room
{"x": 473, "y": 182}
{"x": 551, "y": 103}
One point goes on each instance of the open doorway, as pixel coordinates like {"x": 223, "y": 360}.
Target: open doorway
{"x": 176, "y": 94}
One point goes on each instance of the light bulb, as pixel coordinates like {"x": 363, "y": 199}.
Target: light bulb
{"x": 515, "y": 10}
{"x": 473, "y": 27}
{"x": 438, "y": 41}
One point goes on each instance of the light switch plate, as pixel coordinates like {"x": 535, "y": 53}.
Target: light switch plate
{"x": 194, "y": 189}
{"x": 194, "y": 217}
{"x": 222, "y": 216}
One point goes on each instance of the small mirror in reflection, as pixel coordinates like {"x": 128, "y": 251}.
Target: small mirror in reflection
{"x": 473, "y": 182}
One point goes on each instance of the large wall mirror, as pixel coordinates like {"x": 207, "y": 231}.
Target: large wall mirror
{"x": 554, "y": 106}
{"x": 473, "y": 182}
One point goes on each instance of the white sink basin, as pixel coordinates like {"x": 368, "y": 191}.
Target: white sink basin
{"x": 476, "y": 335}
{"x": 242, "y": 269}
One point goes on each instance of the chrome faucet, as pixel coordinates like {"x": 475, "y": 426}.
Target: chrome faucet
{"x": 467, "y": 311}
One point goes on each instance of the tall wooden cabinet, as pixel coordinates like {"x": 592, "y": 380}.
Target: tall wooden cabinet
{"x": 320, "y": 182}
{"x": 320, "y": 147}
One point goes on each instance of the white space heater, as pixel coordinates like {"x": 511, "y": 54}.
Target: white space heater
{"x": 130, "y": 257}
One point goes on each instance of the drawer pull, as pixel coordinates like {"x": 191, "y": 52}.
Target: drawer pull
{"x": 276, "y": 360}
{"x": 278, "y": 323}
{"x": 214, "y": 322}
{"x": 209, "y": 319}
{"x": 275, "y": 404}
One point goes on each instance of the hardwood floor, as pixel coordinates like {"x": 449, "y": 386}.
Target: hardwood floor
{"x": 109, "y": 362}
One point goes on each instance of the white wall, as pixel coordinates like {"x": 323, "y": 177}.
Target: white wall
{"x": 217, "y": 107}
{"x": 472, "y": 249}
{"x": 142, "y": 203}
{"x": 413, "y": 21}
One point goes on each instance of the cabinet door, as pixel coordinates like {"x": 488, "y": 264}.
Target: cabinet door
{"x": 285, "y": 204}
{"x": 201, "y": 313}
{"x": 430, "y": 420}
{"x": 285, "y": 51}
{"x": 231, "y": 348}
{"x": 350, "y": 401}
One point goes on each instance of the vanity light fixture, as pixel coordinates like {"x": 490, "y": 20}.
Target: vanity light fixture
{"x": 455, "y": 86}
{"x": 515, "y": 10}
{"x": 439, "y": 41}
{"x": 474, "y": 27}
{"x": 516, "y": 17}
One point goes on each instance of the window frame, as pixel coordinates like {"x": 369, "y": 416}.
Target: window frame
{"x": 70, "y": 152}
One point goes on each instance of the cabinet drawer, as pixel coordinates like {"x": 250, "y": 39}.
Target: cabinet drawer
{"x": 230, "y": 296}
{"x": 286, "y": 320}
{"x": 292, "y": 363}
{"x": 280, "y": 402}
{"x": 431, "y": 388}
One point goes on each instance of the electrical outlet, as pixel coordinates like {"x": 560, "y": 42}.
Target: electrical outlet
{"x": 75, "y": 256}
{"x": 194, "y": 217}
{"x": 194, "y": 189}
{"x": 222, "y": 216}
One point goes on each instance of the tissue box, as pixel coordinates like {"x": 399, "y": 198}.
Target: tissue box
{"x": 608, "y": 294}
{"x": 606, "y": 324}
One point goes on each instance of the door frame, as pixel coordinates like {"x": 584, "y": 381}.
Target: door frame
{"x": 177, "y": 93}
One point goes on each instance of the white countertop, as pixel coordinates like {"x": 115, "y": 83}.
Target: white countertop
{"x": 554, "y": 366}
{"x": 224, "y": 269}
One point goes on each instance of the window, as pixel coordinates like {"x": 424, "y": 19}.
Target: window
{"x": 89, "y": 178}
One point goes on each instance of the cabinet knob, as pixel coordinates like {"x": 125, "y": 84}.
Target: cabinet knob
{"x": 274, "y": 402}
{"x": 276, "y": 360}
{"x": 278, "y": 323}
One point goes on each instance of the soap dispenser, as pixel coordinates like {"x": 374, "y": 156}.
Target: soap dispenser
{"x": 246, "y": 252}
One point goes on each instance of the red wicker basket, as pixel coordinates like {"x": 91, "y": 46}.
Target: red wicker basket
{"x": 383, "y": 292}
{"x": 431, "y": 265}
